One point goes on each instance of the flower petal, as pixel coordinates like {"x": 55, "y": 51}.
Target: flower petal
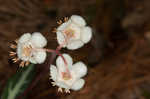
{"x": 19, "y": 50}
{"x": 60, "y": 38}
{"x": 53, "y": 72}
{"x": 75, "y": 44}
{"x": 24, "y": 38}
{"x": 78, "y": 20}
{"x": 76, "y": 30}
{"x": 78, "y": 85}
{"x": 63, "y": 26}
{"x": 62, "y": 84}
{"x": 39, "y": 56}
{"x": 86, "y": 34}
{"x": 59, "y": 33}
{"x": 32, "y": 60}
{"x": 80, "y": 69}
{"x": 60, "y": 62}
{"x": 38, "y": 39}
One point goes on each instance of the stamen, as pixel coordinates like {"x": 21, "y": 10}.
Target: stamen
{"x": 15, "y": 60}
{"x": 13, "y": 46}
{"x": 66, "y": 19}
{"x": 16, "y": 41}
{"x": 22, "y": 64}
{"x": 60, "y": 90}
{"x": 59, "y": 22}
{"x": 67, "y": 90}
{"x": 53, "y": 83}
{"x": 27, "y": 63}
{"x": 12, "y": 53}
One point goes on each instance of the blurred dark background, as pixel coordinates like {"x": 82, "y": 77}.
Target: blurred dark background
{"x": 118, "y": 56}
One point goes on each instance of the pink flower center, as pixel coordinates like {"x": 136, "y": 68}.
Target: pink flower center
{"x": 69, "y": 33}
{"x": 27, "y": 50}
{"x": 66, "y": 76}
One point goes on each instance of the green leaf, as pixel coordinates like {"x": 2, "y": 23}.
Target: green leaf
{"x": 18, "y": 82}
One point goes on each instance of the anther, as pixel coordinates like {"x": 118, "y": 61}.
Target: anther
{"x": 16, "y": 41}
{"x": 13, "y": 46}
{"x": 15, "y": 60}
{"x": 27, "y": 63}
{"x": 66, "y": 19}
{"x": 60, "y": 90}
{"x": 53, "y": 83}
{"x": 12, "y": 53}
{"x": 59, "y": 22}
{"x": 67, "y": 90}
{"x": 22, "y": 64}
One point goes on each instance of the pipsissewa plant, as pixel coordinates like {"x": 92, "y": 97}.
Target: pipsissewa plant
{"x": 72, "y": 33}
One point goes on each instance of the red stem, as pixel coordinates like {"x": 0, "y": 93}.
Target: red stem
{"x": 57, "y": 51}
{"x": 45, "y": 49}
{"x": 66, "y": 64}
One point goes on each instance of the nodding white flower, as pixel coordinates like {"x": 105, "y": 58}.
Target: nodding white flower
{"x": 73, "y": 33}
{"x": 29, "y": 48}
{"x": 68, "y": 76}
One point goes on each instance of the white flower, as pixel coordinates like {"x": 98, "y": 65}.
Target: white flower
{"x": 73, "y": 33}
{"x": 59, "y": 74}
{"x": 28, "y": 45}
